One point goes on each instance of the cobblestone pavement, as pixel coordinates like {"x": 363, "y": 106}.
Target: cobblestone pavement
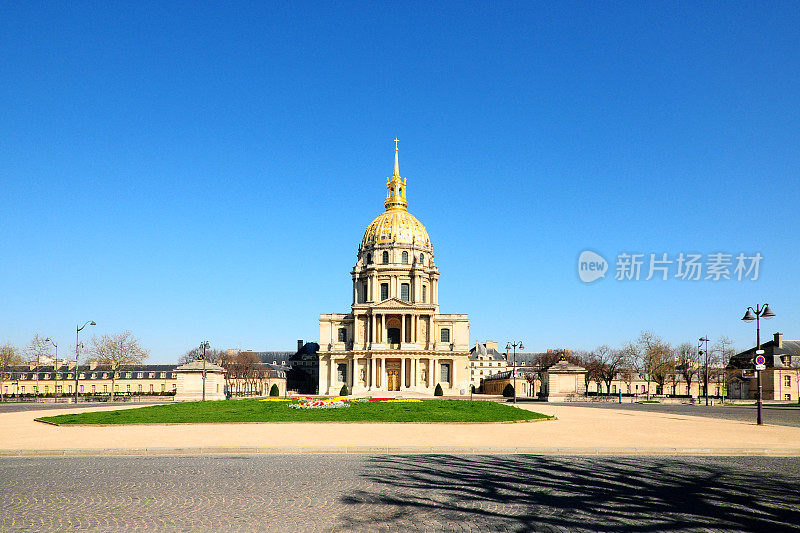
{"x": 781, "y": 416}
{"x": 398, "y": 493}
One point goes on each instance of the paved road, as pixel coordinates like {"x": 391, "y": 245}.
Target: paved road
{"x": 781, "y": 416}
{"x": 15, "y": 407}
{"x": 396, "y": 493}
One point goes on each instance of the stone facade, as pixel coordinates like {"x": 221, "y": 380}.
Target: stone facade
{"x": 190, "y": 382}
{"x": 394, "y": 338}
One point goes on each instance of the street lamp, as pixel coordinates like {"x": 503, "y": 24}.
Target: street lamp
{"x": 48, "y": 339}
{"x": 203, "y": 347}
{"x": 756, "y": 314}
{"x": 705, "y": 365}
{"x": 77, "y": 353}
{"x": 514, "y": 368}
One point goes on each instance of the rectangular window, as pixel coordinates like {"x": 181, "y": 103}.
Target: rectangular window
{"x": 787, "y": 397}
{"x": 341, "y": 373}
{"x": 445, "y": 335}
{"x": 105, "y": 388}
{"x": 342, "y": 335}
{"x": 404, "y": 292}
{"x": 163, "y": 388}
{"x": 151, "y": 387}
{"x": 140, "y": 388}
{"x": 81, "y": 388}
{"x": 424, "y": 292}
{"x": 445, "y": 373}
{"x": 384, "y": 291}
{"x": 787, "y": 381}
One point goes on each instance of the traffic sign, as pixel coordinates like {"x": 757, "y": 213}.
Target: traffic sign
{"x": 760, "y": 361}
{"x": 761, "y": 367}
{"x": 759, "y": 352}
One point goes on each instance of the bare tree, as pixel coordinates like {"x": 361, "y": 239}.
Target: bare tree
{"x": 610, "y": 363}
{"x": 213, "y": 355}
{"x": 36, "y": 350}
{"x": 117, "y": 350}
{"x": 687, "y": 363}
{"x": 9, "y": 356}
{"x": 654, "y": 359}
{"x": 722, "y": 353}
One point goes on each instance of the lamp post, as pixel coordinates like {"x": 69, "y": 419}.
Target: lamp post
{"x": 203, "y": 347}
{"x": 756, "y": 314}
{"x": 514, "y": 368}
{"x": 77, "y": 353}
{"x": 705, "y": 365}
{"x": 48, "y": 339}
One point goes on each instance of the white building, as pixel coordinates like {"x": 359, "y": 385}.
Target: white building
{"x": 394, "y": 338}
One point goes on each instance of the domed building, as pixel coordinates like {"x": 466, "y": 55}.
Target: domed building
{"x": 394, "y": 338}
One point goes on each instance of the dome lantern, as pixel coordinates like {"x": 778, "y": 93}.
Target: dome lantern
{"x": 396, "y": 186}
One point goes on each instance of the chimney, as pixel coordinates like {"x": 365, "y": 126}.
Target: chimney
{"x": 299, "y": 344}
{"x": 778, "y": 338}
{"x": 92, "y": 364}
{"x": 491, "y": 344}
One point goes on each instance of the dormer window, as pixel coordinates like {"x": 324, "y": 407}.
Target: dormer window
{"x": 405, "y": 258}
{"x": 385, "y": 258}
{"x": 421, "y": 259}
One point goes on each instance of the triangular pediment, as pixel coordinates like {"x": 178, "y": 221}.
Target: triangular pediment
{"x": 392, "y": 303}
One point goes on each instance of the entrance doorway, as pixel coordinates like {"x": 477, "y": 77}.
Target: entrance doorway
{"x": 393, "y": 379}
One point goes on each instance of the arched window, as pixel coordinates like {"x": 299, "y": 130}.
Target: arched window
{"x": 369, "y": 259}
{"x": 421, "y": 259}
{"x": 385, "y": 258}
{"x": 405, "y": 258}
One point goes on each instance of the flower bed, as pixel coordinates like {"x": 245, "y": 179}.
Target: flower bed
{"x": 307, "y": 402}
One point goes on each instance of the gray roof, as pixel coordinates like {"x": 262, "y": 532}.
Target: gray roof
{"x": 480, "y": 350}
{"x": 776, "y": 357}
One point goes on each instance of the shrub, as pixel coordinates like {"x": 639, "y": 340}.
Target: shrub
{"x": 344, "y": 391}
{"x": 508, "y": 392}
{"x": 438, "y": 391}
{"x": 274, "y": 390}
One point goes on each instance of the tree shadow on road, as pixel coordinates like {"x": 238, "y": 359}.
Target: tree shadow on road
{"x": 544, "y": 493}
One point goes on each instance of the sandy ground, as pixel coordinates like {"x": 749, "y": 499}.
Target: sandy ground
{"x": 577, "y": 430}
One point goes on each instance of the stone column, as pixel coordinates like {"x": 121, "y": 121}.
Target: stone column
{"x": 402, "y": 373}
{"x": 372, "y": 331}
{"x": 453, "y": 381}
{"x": 371, "y": 373}
{"x": 383, "y": 327}
{"x": 416, "y": 372}
{"x": 403, "y": 328}
{"x": 434, "y": 376}
{"x": 330, "y": 373}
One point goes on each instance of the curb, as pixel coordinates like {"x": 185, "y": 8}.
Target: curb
{"x": 405, "y": 450}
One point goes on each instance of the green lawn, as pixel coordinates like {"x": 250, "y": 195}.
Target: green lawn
{"x": 257, "y": 411}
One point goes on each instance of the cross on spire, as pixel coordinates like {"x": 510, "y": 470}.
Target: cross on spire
{"x": 396, "y": 162}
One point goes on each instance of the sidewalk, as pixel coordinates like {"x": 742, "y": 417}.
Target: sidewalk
{"x": 578, "y": 430}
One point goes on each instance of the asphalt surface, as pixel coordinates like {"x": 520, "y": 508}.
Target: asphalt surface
{"x": 780, "y": 416}
{"x": 14, "y": 407}
{"x": 398, "y": 493}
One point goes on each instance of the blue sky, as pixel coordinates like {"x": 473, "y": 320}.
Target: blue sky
{"x": 195, "y": 171}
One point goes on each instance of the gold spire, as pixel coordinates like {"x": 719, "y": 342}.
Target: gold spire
{"x": 396, "y": 162}
{"x": 396, "y": 186}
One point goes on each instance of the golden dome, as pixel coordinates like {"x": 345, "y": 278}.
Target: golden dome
{"x": 396, "y": 224}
